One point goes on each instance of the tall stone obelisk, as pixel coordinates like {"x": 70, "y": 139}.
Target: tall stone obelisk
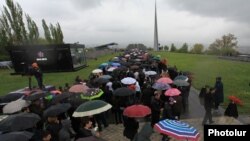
{"x": 156, "y": 44}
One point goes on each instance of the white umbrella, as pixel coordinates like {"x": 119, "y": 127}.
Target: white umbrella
{"x": 15, "y": 106}
{"x": 111, "y": 69}
{"x": 150, "y": 73}
{"x": 97, "y": 71}
{"x": 128, "y": 81}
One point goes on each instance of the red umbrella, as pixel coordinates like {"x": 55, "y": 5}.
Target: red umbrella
{"x": 137, "y": 111}
{"x": 235, "y": 99}
{"x": 165, "y": 80}
{"x": 172, "y": 92}
{"x": 79, "y": 88}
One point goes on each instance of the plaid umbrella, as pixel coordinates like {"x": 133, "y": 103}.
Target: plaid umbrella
{"x": 15, "y": 106}
{"x": 79, "y": 88}
{"x": 137, "y": 111}
{"x": 16, "y": 136}
{"x": 177, "y": 129}
{"x": 90, "y": 108}
{"x": 92, "y": 93}
{"x": 19, "y": 122}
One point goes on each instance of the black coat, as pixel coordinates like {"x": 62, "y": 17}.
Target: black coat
{"x": 231, "y": 110}
{"x": 208, "y": 101}
{"x": 219, "y": 93}
{"x": 131, "y": 127}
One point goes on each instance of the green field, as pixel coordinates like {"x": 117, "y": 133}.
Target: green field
{"x": 235, "y": 75}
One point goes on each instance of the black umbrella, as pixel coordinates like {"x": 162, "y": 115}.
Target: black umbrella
{"x": 90, "y": 138}
{"x": 60, "y": 97}
{"x": 56, "y": 110}
{"x": 75, "y": 100}
{"x": 123, "y": 92}
{"x": 36, "y": 96}
{"x": 101, "y": 80}
{"x": 10, "y": 97}
{"x": 19, "y": 122}
{"x": 16, "y": 136}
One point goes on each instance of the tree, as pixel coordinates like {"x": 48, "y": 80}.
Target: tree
{"x": 33, "y": 34}
{"x": 165, "y": 48}
{"x": 197, "y": 48}
{"x": 46, "y": 29}
{"x": 184, "y": 48}
{"x": 173, "y": 48}
{"x": 225, "y": 46}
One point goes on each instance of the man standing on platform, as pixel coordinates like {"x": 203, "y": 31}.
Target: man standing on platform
{"x": 36, "y": 71}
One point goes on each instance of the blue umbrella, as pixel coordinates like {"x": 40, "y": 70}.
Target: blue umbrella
{"x": 161, "y": 86}
{"x": 116, "y": 64}
{"x": 177, "y": 129}
{"x": 103, "y": 65}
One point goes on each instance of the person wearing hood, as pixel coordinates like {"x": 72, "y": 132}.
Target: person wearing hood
{"x": 144, "y": 134}
{"x": 65, "y": 132}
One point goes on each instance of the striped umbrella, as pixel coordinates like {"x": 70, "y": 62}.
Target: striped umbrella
{"x": 177, "y": 129}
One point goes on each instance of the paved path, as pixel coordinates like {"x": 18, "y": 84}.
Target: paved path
{"x": 193, "y": 116}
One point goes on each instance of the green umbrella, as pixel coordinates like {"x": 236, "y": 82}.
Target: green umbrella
{"x": 92, "y": 93}
{"x": 90, "y": 108}
{"x": 180, "y": 83}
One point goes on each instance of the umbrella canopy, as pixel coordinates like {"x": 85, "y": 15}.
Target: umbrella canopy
{"x": 97, "y": 71}
{"x": 15, "y": 106}
{"x": 10, "y": 97}
{"x": 235, "y": 99}
{"x": 60, "y": 97}
{"x": 92, "y": 93}
{"x": 137, "y": 111}
{"x": 106, "y": 77}
{"x": 172, "y": 92}
{"x": 19, "y": 122}
{"x": 101, "y": 80}
{"x": 181, "y": 77}
{"x": 123, "y": 92}
{"x": 181, "y": 83}
{"x": 116, "y": 64}
{"x": 111, "y": 69}
{"x": 56, "y": 110}
{"x": 165, "y": 80}
{"x": 75, "y": 100}
{"x": 128, "y": 81}
{"x": 148, "y": 73}
{"x": 161, "y": 86}
{"x": 177, "y": 129}
{"x": 91, "y": 138}
{"x": 36, "y": 96}
{"x": 103, "y": 65}
{"x": 79, "y": 88}
{"x": 90, "y": 108}
{"x": 16, "y": 136}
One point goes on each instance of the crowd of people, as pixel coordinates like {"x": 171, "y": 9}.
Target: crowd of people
{"x": 147, "y": 90}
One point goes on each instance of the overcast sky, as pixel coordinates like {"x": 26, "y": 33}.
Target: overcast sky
{"x": 95, "y": 22}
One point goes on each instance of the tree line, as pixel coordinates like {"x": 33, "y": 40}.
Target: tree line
{"x": 18, "y": 28}
{"x": 224, "y": 46}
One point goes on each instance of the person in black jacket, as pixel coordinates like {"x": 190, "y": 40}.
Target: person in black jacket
{"x": 232, "y": 110}
{"x": 156, "y": 108}
{"x": 208, "y": 105}
{"x": 36, "y": 71}
{"x": 131, "y": 127}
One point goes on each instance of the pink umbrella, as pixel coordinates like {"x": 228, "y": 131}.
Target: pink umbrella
{"x": 79, "y": 88}
{"x": 137, "y": 111}
{"x": 165, "y": 80}
{"x": 172, "y": 92}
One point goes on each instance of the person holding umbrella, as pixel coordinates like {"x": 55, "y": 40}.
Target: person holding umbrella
{"x": 130, "y": 127}
{"x": 155, "y": 108}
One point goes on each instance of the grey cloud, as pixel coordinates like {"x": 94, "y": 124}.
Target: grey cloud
{"x": 86, "y": 4}
{"x": 230, "y": 9}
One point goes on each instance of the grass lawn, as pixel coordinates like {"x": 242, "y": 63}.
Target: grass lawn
{"x": 10, "y": 83}
{"x": 235, "y": 75}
